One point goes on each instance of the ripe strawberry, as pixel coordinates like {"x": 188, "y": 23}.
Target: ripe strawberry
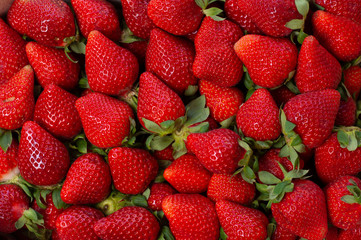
{"x": 338, "y": 35}
{"x": 332, "y": 233}
{"x": 48, "y": 22}
{"x": 132, "y": 169}
{"x": 258, "y": 117}
{"x": 239, "y": 222}
{"x": 139, "y": 49}
{"x": 269, "y": 61}
{"x": 281, "y": 95}
{"x": 165, "y": 154}
{"x": 156, "y": 101}
{"x": 105, "y": 120}
{"x": 170, "y": 58}
{"x": 191, "y": 216}
{"x": 110, "y": 69}
{"x": 97, "y": 15}
{"x": 8, "y": 162}
{"x": 215, "y": 59}
{"x": 283, "y": 234}
{"x": 352, "y": 80}
{"x": 158, "y": 191}
{"x": 187, "y": 175}
{"x": 346, "y": 115}
{"x": 348, "y": 9}
{"x": 17, "y": 99}
{"x": 128, "y": 223}
{"x": 354, "y": 233}
{"x": 77, "y": 222}
{"x": 87, "y": 181}
{"x": 13, "y": 56}
{"x": 55, "y": 111}
{"x": 231, "y": 188}
{"x": 317, "y": 69}
{"x": 314, "y": 114}
{"x": 303, "y": 211}
{"x": 52, "y": 66}
{"x": 42, "y": 159}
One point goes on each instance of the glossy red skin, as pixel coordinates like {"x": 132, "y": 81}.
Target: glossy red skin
{"x": 158, "y": 191}
{"x": 139, "y": 49}
{"x": 17, "y": 99}
{"x": 352, "y": 80}
{"x": 258, "y": 117}
{"x": 55, "y": 111}
{"x": 52, "y": 66}
{"x": 191, "y": 216}
{"x": 269, "y": 60}
{"x": 231, "y": 188}
{"x": 132, "y": 169}
{"x": 332, "y": 233}
{"x": 110, "y": 69}
{"x": 347, "y": 8}
{"x": 339, "y": 35}
{"x": 239, "y": 222}
{"x": 8, "y": 162}
{"x": 281, "y": 95}
{"x": 187, "y": 175}
{"x": 128, "y": 223}
{"x": 77, "y": 222}
{"x": 105, "y": 119}
{"x": 354, "y": 233}
{"x": 346, "y": 115}
{"x": 156, "y": 101}
{"x": 13, "y": 56}
{"x": 283, "y": 234}
{"x": 170, "y": 58}
{"x": 87, "y": 181}
{"x": 332, "y": 161}
{"x": 314, "y": 114}
{"x": 215, "y": 58}
{"x": 42, "y": 159}
{"x": 13, "y": 202}
{"x": 46, "y": 21}
{"x": 165, "y": 154}
{"x": 178, "y": 17}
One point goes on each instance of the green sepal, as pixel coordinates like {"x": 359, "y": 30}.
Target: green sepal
{"x": 83, "y": 83}
{"x": 319, "y": 7}
{"x": 200, "y": 128}
{"x": 152, "y": 126}
{"x": 303, "y": 7}
{"x": 58, "y": 202}
{"x": 67, "y": 51}
{"x": 40, "y": 197}
{"x": 222, "y": 234}
{"x": 349, "y": 137}
{"x": 214, "y": 12}
{"x": 191, "y": 90}
{"x": 355, "y": 191}
{"x": 295, "y": 24}
{"x": 163, "y": 164}
{"x": 160, "y": 143}
{"x": 301, "y": 36}
{"x": 146, "y": 193}
{"x": 78, "y": 47}
{"x": 128, "y": 36}
{"x": 228, "y": 122}
{"x": 271, "y": 228}
{"x": 32, "y": 220}
{"x": 268, "y": 178}
{"x": 248, "y": 175}
{"x": 158, "y": 214}
{"x": 247, "y": 156}
{"x": 79, "y": 143}
{"x": 6, "y": 139}
{"x": 166, "y": 234}
{"x": 292, "y": 87}
{"x": 139, "y": 200}
{"x": 197, "y": 111}
{"x": 113, "y": 203}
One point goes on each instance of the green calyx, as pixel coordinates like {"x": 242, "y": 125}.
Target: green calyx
{"x": 31, "y": 219}
{"x": 6, "y": 139}
{"x": 349, "y": 137}
{"x": 212, "y": 12}
{"x": 166, "y": 234}
{"x": 303, "y": 8}
{"x": 355, "y": 191}
{"x": 248, "y": 164}
{"x": 128, "y": 36}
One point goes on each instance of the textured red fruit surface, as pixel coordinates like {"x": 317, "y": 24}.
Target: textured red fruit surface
{"x": 158, "y": 192}
{"x": 8, "y": 162}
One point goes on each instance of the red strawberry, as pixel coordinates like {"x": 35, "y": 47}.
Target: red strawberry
{"x": 128, "y": 223}
{"x": 281, "y": 95}
{"x": 339, "y": 35}
{"x": 97, "y": 15}
{"x": 258, "y": 117}
{"x": 77, "y": 222}
{"x": 158, "y": 191}
{"x": 171, "y": 58}
{"x": 239, "y": 222}
{"x": 110, "y": 69}
{"x": 105, "y": 120}
{"x": 55, "y": 111}
{"x": 191, "y": 216}
{"x": 42, "y": 159}
{"x": 52, "y": 66}
{"x": 187, "y": 175}
{"x": 269, "y": 61}
{"x": 8, "y": 162}
{"x": 48, "y": 22}
{"x": 283, "y": 234}
{"x": 231, "y": 188}
{"x": 354, "y": 233}
{"x": 17, "y": 99}
{"x": 139, "y": 49}
{"x": 346, "y": 115}
{"x": 132, "y": 169}
{"x": 314, "y": 114}
{"x": 165, "y": 154}
{"x": 13, "y": 56}
{"x": 349, "y": 8}
{"x": 332, "y": 233}
{"x": 352, "y": 80}
{"x": 317, "y": 69}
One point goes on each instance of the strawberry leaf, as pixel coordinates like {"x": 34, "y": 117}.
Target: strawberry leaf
{"x": 303, "y": 7}
{"x": 166, "y": 234}
{"x": 295, "y": 24}
{"x": 213, "y": 11}
{"x": 197, "y": 111}
{"x": 139, "y": 200}
{"x": 349, "y": 199}
{"x": 268, "y": 178}
{"x": 5, "y": 139}
{"x": 58, "y": 202}
{"x": 161, "y": 142}
{"x": 191, "y": 90}
{"x": 152, "y": 126}
{"x": 78, "y": 47}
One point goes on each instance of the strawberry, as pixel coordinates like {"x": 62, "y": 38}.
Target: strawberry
{"x": 106, "y": 121}
{"x": 55, "y": 111}
{"x": 339, "y": 35}
{"x": 191, "y": 216}
{"x": 354, "y": 233}
{"x": 258, "y": 117}
{"x": 231, "y": 188}
{"x": 97, "y": 15}
{"x": 52, "y": 66}
{"x": 281, "y": 95}
{"x": 128, "y": 223}
{"x": 314, "y": 115}
{"x": 165, "y": 154}
{"x": 42, "y": 159}
{"x": 170, "y": 58}
{"x": 346, "y": 115}
{"x": 48, "y": 22}
{"x": 218, "y": 150}
{"x": 158, "y": 191}
{"x": 223, "y": 102}
{"x": 13, "y": 56}
{"x": 215, "y": 59}
{"x": 77, "y": 222}
{"x": 187, "y": 175}
{"x": 8, "y": 162}
{"x": 139, "y": 49}
{"x": 110, "y": 69}
{"x": 283, "y": 234}
{"x": 332, "y": 233}
{"x": 348, "y": 9}
{"x": 239, "y": 222}
{"x": 269, "y": 60}
{"x": 17, "y": 99}
{"x": 352, "y": 80}
{"x": 132, "y": 169}
{"x": 317, "y": 69}
{"x": 87, "y": 181}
